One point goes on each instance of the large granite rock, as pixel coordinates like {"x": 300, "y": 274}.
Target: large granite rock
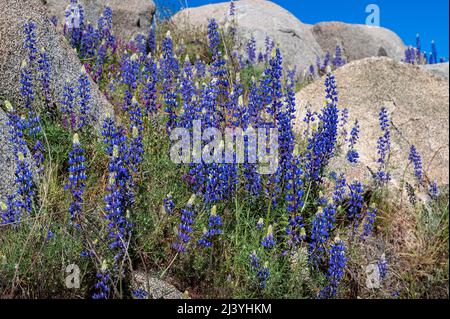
{"x": 440, "y": 69}
{"x": 64, "y": 63}
{"x": 417, "y": 101}
{"x": 129, "y": 17}
{"x": 358, "y": 41}
{"x": 259, "y": 18}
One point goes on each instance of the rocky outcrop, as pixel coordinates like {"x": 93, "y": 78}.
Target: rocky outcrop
{"x": 156, "y": 288}
{"x": 440, "y": 69}
{"x": 259, "y": 18}
{"x": 65, "y": 66}
{"x": 7, "y": 163}
{"x": 417, "y": 101}
{"x": 129, "y": 17}
{"x": 358, "y": 41}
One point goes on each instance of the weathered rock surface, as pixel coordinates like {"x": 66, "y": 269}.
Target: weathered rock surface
{"x": 440, "y": 69}
{"x": 358, "y": 41}
{"x": 156, "y": 288}
{"x": 65, "y": 65}
{"x": 417, "y": 101}
{"x": 7, "y": 164}
{"x": 260, "y": 18}
{"x": 129, "y": 17}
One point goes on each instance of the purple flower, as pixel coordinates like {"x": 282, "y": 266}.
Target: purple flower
{"x": 336, "y": 268}
{"x": 77, "y": 178}
{"x": 416, "y": 160}
{"x": 84, "y": 95}
{"x": 384, "y": 147}
{"x": 352, "y": 154}
{"x": 268, "y": 241}
{"x": 185, "y": 228}
{"x": 30, "y": 40}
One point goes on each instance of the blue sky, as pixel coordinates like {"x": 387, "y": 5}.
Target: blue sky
{"x": 405, "y": 17}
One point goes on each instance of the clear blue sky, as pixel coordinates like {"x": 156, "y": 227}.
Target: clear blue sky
{"x": 405, "y": 17}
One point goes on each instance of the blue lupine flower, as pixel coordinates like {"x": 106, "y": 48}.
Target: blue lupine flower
{"x": 384, "y": 147}
{"x": 90, "y": 39}
{"x": 416, "y": 160}
{"x": 21, "y": 201}
{"x": 187, "y": 91}
{"x": 77, "y": 177}
{"x": 330, "y": 212}
{"x": 67, "y": 105}
{"x": 251, "y": 50}
{"x": 410, "y": 55}
{"x": 232, "y": 9}
{"x": 102, "y": 285}
{"x": 356, "y": 201}
{"x": 169, "y": 205}
{"x": 169, "y": 69}
{"x": 74, "y": 22}
{"x": 382, "y": 267}
{"x": 418, "y": 48}
{"x": 120, "y": 196}
{"x": 338, "y": 61}
{"x": 319, "y": 236}
{"x": 24, "y": 182}
{"x": 268, "y": 241}
{"x": 50, "y": 235}
{"x": 369, "y": 222}
{"x": 54, "y": 20}
{"x": 84, "y": 94}
{"x": 130, "y": 71}
{"x": 33, "y": 128}
{"x": 185, "y": 228}
{"x": 26, "y": 85}
{"x": 140, "y": 294}
{"x": 150, "y": 89}
{"x": 200, "y": 68}
{"x": 214, "y": 228}
{"x": 97, "y": 69}
{"x": 269, "y": 46}
{"x": 30, "y": 40}
{"x": 140, "y": 41}
{"x": 260, "y": 224}
{"x": 44, "y": 75}
{"x": 339, "y": 190}
{"x": 321, "y": 145}
{"x": 336, "y": 268}
{"x": 151, "y": 40}
{"x": 352, "y": 154}
{"x": 434, "y": 53}
{"x": 262, "y": 271}
{"x": 433, "y": 190}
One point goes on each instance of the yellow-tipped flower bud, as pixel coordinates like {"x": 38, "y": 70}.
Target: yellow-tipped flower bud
{"x": 76, "y": 139}
{"x": 116, "y": 151}
{"x": 21, "y": 156}
{"x": 135, "y": 132}
{"x": 270, "y": 230}
{"x": 9, "y": 106}
{"x": 214, "y": 211}
{"x": 191, "y": 201}
{"x": 104, "y": 265}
